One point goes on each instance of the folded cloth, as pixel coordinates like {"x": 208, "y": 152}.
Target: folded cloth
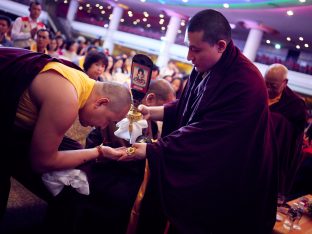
{"x": 123, "y": 129}
{"x": 55, "y": 181}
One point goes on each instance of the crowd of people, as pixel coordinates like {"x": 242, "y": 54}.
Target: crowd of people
{"x": 219, "y": 134}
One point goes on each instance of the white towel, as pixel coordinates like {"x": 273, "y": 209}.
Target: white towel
{"x": 55, "y": 181}
{"x": 123, "y": 129}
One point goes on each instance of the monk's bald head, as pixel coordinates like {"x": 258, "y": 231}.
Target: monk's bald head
{"x": 277, "y": 72}
{"x": 276, "y": 79}
{"x": 119, "y": 95}
{"x": 159, "y": 92}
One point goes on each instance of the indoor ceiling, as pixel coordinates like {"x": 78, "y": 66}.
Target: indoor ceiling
{"x": 272, "y": 14}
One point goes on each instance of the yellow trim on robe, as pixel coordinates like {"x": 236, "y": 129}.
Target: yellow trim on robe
{"x": 27, "y": 113}
{"x": 274, "y": 100}
{"x": 33, "y": 47}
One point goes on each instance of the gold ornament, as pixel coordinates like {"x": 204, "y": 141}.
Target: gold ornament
{"x": 133, "y": 116}
{"x": 130, "y": 150}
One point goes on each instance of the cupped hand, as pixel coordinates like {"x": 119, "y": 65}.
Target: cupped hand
{"x": 114, "y": 153}
{"x": 139, "y": 153}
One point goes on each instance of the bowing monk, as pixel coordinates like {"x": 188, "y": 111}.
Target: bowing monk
{"x": 42, "y": 96}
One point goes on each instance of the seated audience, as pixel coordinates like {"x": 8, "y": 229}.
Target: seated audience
{"x": 5, "y": 23}
{"x": 52, "y": 48}
{"x": 25, "y": 28}
{"x": 41, "y": 42}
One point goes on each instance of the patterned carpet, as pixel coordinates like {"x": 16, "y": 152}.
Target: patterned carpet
{"x": 25, "y": 212}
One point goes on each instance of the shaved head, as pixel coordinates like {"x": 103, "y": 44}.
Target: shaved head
{"x": 162, "y": 90}
{"x": 118, "y": 94}
{"x": 276, "y": 71}
{"x": 276, "y": 79}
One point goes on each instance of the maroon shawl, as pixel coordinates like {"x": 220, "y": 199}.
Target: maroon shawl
{"x": 216, "y": 163}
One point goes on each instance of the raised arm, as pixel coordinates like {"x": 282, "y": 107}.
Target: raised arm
{"x": 155, "y": 113}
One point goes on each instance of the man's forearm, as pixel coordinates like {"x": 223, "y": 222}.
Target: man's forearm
{"x": 157, "y": 113}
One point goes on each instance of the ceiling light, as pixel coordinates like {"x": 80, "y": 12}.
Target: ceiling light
{"x": 301, "y": 38}
{"x": 306, "y": 45}
{"x": 268, "y": 41}
{"x": 226, "y": 5}
{"x": 161, "y": 16}
{"x": 277, "y": 46}
{"x": 302, "y": 1}
{"x": 184, "y": 0}
{"x": 288, "y": 38}
{"x": 290, "y": 13}
{"x": 143, "y": 0}
{"x": 298, "y": 47}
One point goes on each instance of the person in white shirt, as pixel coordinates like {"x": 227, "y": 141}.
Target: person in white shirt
{"x": 25, "y": 28}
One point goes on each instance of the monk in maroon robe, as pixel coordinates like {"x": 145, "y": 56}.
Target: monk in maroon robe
{"x": 216, "y": 163}
{"x": 283, "y": 101}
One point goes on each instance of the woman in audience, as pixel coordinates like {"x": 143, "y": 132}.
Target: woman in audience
{"x": 52, "y": 48}
{"x": 95, "y": 64}
{"x": 70, "y": 51}
{"x": 177, "y": 85}
{"x": 107, "y": 75}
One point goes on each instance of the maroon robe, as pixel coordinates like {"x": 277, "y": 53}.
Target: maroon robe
{"x": 18, "y": 67}
{"x": 216, "y": 163}
{"x": 289, "y": 132}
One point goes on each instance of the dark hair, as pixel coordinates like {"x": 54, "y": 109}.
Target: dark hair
{"x": 155, "y": 68}
{"x": 215, "y": 26}
{"x": 7, "y": 19}
{"x": 44, "y": 30}
{"x": 93, "y": 57}
{"x": 180, "y": 90}
{"x": 51, "y": 39}
{"x": 69, "y": 43}
{"x": 35, "y": 2}
{"x": 91, "y": 47}
{"x": 141, "y": 70}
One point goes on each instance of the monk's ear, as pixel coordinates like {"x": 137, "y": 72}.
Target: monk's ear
{"x": 221, "y": 46}
{"x": 150, "y": 99}
{"x": 102, "y": 101}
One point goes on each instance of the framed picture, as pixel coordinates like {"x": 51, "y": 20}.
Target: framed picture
{"x": 140, "y": 77}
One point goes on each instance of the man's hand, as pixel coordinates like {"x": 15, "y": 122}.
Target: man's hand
{"x": 114, "y": 154}
{"x": 145, "y": 111}
{"x": 136, "y": 152}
